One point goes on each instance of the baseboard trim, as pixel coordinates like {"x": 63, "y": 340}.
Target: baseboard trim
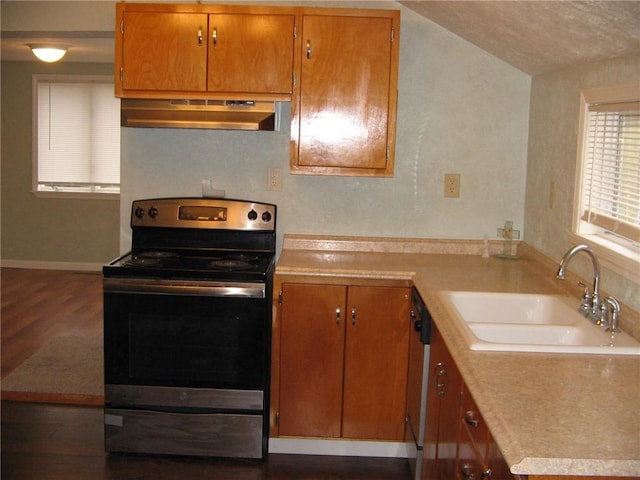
{"x": 43, "y": 265}
{"x": 348, "y": 448}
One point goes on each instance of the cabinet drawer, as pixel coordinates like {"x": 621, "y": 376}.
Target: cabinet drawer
{"x": 468, "y": 466}
{"x": 474, "y": 425}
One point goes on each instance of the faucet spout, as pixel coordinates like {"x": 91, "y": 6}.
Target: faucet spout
{"x": 595, "y": 313}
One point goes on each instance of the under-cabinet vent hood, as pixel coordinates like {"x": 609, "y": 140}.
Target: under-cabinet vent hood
{"x": 208, "y": 114}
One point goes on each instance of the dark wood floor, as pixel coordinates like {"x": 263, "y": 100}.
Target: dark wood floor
{"x": 64, "y": 442}
{"x": 38, "y": 305}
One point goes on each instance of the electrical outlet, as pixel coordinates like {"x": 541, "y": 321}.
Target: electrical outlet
{"x": 274, "y": 179}
{"x": 452, "y": 185}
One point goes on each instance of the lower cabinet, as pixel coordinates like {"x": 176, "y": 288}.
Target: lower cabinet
{"x": 478, "y": 455}
{"x": 458, "y": 443}
{"x": 343, "y": 361}
{"x": 443, "y": 410}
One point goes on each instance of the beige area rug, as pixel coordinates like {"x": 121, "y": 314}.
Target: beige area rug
{"x": 65, "y": 370}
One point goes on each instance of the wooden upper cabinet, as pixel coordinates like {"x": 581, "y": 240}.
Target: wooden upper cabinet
{"x": 250, "y": 53}
{"x": 164, "y": 51}
{"x": 344, "y": 115}
{"x": 175, "y": 50}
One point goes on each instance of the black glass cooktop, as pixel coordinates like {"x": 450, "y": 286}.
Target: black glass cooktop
{"x": 209, "y": 265}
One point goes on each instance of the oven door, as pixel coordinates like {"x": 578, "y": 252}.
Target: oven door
{"x": 186, "y": 334}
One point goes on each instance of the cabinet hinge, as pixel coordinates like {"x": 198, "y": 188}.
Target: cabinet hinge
{"x": 122, "y": 27}
{"x": 294, "y": 79}
{"x": 295, "y": 30}
{"x": 388, "y": 152}
{"x": 280, "y": 297}
{"x": 277, "y": 419}
{"x": 393, "y": 34}
{"x": 121, "y": 74}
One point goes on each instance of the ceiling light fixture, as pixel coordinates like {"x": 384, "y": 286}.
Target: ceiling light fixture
{"x": 48, "y": 54}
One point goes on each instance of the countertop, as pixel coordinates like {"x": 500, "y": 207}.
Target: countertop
{"x": 550, "y": 414}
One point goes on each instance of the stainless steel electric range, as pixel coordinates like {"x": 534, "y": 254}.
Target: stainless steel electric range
{"x": 187, "y": 329}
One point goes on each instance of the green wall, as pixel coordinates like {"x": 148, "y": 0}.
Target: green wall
{"x": 46, "y": 230}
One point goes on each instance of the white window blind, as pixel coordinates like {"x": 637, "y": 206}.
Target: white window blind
{"x": 78, "y": 136}
{"x": 611, "y": 169}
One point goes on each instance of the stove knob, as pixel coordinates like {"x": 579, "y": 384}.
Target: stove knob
{"x": 139, "y": 212}
{"x": 252, "y": 215}
{"x": 266, "y": 217}
{"x": 153, "y": 212}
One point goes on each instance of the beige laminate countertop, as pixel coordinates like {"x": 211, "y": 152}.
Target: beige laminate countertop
{"x": 550, "y": 414}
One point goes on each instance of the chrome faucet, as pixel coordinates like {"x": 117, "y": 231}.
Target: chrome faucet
{"x": 611, "y": 314}
{"x": 591, "y": 301}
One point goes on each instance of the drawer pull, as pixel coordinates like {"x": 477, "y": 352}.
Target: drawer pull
{"x": 353, "y": 316}
{"x": 468, "y": 471}
{"x": 471, "y": 419}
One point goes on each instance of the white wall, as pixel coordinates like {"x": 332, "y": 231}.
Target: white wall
{"x": 553, "y": 144}
{"x": 460, "y": 110}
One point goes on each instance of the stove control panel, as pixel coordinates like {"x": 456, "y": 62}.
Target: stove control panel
{"x": 203, "y": 213}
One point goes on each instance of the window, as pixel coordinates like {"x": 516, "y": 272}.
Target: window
{"x": 76, "y": 136}
{"x": 608, "y": 193}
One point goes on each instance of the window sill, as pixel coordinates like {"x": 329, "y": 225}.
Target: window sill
{"x": 77, "y": 195}
{"x": 622, "y": 260}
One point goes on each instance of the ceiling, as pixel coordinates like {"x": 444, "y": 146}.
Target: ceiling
{"x": 541, "y": 36}
{"x": 85, "y": 27}
{"x": 533, "y": 36}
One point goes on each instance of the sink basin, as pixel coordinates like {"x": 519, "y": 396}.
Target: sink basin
{"x": 532, "y": 323}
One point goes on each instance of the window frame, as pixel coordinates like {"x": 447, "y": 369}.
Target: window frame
{"x": 62, "y": 194}
{"x": 619, "y": 255}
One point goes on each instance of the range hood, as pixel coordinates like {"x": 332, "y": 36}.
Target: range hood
{"x": 208, "y": 114}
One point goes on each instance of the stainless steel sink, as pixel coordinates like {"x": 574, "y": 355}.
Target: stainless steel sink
{"x": 531, "y": 323}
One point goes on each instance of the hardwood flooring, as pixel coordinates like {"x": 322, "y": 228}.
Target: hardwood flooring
{"x": 38, "y": 305}
{"x": 65, "y": 442}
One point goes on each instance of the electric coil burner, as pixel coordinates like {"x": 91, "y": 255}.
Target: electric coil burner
{"x": 187, "y": 329}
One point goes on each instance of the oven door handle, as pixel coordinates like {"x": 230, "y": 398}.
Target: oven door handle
{"x": 184, "y": 287}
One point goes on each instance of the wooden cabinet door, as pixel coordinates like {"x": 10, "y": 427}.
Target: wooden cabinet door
{"x": 348, "y": 82}
{"x": 311, "y": 360}
{"x": 473, "y": 440}
{"x": 164, "y": 51}
{"x": 376, "y": 363}
{"x": 443, "y": 413}
{"x": 434, "y": 404}
{"x": 250, "y": 53}
{"x": 449, "y": 418}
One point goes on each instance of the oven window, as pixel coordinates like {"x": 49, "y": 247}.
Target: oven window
{"x": 167, "y": 340}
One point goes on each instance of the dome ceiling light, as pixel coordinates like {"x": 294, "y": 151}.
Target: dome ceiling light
{"x": 47, "y": 53}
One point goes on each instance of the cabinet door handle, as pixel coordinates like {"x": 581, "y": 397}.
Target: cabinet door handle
{"x": 308, "y": 48}
{"x": 440, "y": 378}
{"x": 338, "y": 312}
{"x": 468, "y": 472}
{"x": 471, "y": 419}
{"x": 214, "y": 36}
{"x": 200, "y": 36}
{"x": 353, "y": 316}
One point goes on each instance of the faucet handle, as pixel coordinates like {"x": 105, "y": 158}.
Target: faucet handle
{"x": 610, "y": 314}
{"x": 586, "y": 301}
